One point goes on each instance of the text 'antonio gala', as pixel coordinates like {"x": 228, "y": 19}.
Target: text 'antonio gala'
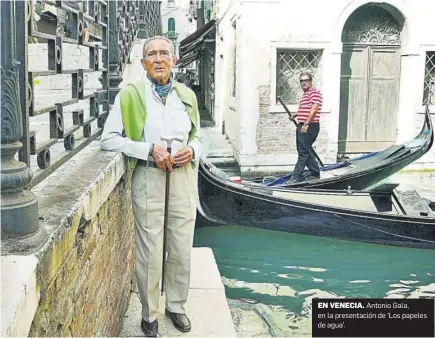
{"x": 360, "y": 305}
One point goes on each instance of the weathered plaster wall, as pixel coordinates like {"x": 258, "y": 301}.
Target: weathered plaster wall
{"x": 228, "y": 28}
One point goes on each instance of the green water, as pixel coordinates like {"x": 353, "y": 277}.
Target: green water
{"x": 277, "y": 274}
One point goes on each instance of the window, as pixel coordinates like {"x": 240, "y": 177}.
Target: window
{"x": 289, "y": 65}
{"x": 171, "y": 3}
{"x": 429, "y": 77}
{"x": 171, "y": 25}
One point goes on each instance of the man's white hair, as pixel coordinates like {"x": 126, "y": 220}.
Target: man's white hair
{"x": 157, "y": 37}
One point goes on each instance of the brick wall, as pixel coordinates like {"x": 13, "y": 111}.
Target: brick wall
{"x": 275, "y": 133}
{"x": 85, "y": 277}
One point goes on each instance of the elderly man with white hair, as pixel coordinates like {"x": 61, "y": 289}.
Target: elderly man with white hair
{"x": 143, "y": 113}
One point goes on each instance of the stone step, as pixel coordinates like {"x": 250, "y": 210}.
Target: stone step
{"x": 220, "y": 153}
{"x": 223, "y": 162}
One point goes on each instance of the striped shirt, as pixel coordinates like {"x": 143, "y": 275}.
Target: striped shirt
{"x": 310, "y": 97}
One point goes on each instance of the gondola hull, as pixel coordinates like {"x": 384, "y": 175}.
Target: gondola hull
{"x": 383, "y": 221}
{"x": 359, "y": 174}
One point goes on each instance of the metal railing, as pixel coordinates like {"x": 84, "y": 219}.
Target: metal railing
{"x": 106, "y": 31}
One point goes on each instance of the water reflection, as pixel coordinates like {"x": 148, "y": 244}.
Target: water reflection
{"x": 271, "y": 277}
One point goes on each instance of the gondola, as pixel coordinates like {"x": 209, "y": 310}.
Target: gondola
{"x": 365, "y": 171}
{"x": 383, "y": 215}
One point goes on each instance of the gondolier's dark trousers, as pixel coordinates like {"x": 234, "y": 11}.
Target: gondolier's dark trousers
{"x": 304, "y": 141}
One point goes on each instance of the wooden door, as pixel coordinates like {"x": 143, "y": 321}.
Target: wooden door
{"x": 353, "y": 97}
{"x": 368, "y": 98}
{"x": 383, "y": 97}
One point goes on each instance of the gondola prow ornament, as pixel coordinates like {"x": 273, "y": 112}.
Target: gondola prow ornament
{"x": 169, "y": 141}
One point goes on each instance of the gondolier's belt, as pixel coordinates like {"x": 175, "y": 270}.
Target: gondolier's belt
{"x": 310, "y": 122}
{"x": 152, "y": 164}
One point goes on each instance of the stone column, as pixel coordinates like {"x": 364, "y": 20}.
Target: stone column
{"x": 332, "y": 84}
{"x": 114, "y": 75}
{"x": 19, "y": 207}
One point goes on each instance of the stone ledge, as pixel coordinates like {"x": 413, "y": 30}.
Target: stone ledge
{"x": 420, "y": 166}
{"x": 20, "y": 295}
{"x": 249, "y": 172}
{"x": 205, "y": 273}
{"x": 260, "y": 164}
{"x": 220, "y": 153}
{"x": 72, "y": 195}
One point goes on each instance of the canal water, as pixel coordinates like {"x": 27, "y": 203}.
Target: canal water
{"x": 271, "y": 277}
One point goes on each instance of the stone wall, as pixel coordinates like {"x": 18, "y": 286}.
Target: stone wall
{"x": 84, "y": 251}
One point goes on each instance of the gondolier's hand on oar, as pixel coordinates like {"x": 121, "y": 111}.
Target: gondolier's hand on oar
{"x": 162, "y": 158}
{"x": 183, "y": 156}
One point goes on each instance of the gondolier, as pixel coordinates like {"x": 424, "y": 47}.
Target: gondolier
{"x": 308, "y": 117}
{"x": 145, "y": 114}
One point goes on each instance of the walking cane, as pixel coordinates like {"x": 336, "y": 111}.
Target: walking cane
{"x": 165, "y": 224}
{"x": 313, "y": 153}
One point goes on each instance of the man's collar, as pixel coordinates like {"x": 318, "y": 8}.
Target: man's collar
{"x": 310, "y": 90}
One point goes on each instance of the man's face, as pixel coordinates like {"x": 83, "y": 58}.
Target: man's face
{"x": 305, "y": 82}
{"x": 158, "y": 60}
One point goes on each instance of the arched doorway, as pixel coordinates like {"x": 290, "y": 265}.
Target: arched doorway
{"x": 370, "y": 79}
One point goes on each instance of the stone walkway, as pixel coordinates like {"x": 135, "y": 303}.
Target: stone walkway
{"x": 219, "y": 151}
{"x": 207, "y": 306}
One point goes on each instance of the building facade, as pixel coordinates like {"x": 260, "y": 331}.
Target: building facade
{"x": 198, "y": 49}
{"x": 175, "y": 26}
{"x": 373, "y": 61}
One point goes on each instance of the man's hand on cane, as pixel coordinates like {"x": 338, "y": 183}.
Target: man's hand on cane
{"x": 184, "y": 156}
{"x": 163, "y": 159}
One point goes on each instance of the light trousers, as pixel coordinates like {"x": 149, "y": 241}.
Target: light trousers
{"x": 148, "y": 201}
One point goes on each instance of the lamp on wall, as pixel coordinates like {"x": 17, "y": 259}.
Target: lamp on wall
{"x": 193, "y": 5}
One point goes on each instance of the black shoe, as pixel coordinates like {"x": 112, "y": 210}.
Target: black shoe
{"x": 291, "y": 181}
{"x": 312, "y": 175}
{"x": 149, "y": 329}
{"x": 180, "y": 321}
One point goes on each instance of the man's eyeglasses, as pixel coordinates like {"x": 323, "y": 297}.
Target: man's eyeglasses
{"x": 304, "y": 80}
{"x": 164, "y": 54}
